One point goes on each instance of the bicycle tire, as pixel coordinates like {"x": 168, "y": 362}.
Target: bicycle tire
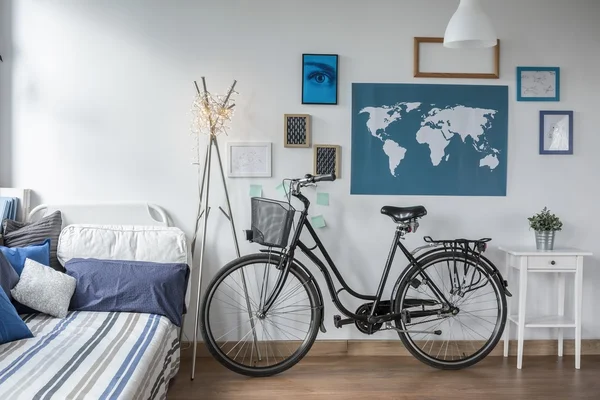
{"x": 218, "y": 354}
{"x": 414, "y": 349}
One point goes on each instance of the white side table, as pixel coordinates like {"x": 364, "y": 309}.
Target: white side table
{"x": 560, "y": 262}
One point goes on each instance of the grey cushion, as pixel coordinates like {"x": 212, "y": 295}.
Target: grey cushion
{"x": 44, "y": 289}
{"x": 8, "y": 276}
{"x": 21, "y": 234}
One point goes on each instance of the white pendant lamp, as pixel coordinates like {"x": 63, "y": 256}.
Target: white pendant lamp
{"x": 469, "y": 27}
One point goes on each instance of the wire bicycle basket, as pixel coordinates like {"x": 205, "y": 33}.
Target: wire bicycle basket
{"x": 271, "y": 222}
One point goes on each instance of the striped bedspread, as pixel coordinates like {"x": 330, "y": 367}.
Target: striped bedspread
{"x": 91, "y": 355}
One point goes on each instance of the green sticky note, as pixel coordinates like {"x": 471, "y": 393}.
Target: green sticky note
{"x": 283, "y": 189}
{"x": 318, "y": 221}
{"x": 323, "y": 199}
{"x": 255, "y": 191}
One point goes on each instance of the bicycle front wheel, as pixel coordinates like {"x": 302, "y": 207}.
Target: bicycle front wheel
{"x": 245, "y": 338}
{"x": 468, "y": 328}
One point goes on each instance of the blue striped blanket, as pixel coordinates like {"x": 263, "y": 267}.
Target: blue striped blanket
{"x": 91, "y": 355}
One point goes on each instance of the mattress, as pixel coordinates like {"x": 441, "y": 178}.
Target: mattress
{"x": 91, "y": 355}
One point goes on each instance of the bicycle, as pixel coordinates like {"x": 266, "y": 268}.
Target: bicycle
{"x": 249, "y": 308}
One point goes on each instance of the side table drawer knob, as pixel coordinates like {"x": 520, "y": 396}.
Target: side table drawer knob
{"x": 553, "y": 262}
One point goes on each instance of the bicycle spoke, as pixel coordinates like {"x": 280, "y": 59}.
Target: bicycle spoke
{"x": 249, "y": 332}
{"x": 228, "y": 332}
{"x": 229, "y": 304}
{"x": 241, "y": 295}
{"x": 282, "y": 298}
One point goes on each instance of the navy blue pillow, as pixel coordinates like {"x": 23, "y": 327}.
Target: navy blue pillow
{"x": 8, "y": 276}
{"x": 129, "y": 286}
{"x": 16, "y": 255}
{"x": 8, "y": 280}
{"x": 12, "y": 326}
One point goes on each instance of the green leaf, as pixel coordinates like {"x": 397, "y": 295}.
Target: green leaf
{"x": 545, "y": 221}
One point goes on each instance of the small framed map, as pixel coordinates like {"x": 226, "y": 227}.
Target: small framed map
{"x": 327, "y": 159}
{"x": 538, "y": 84}
{"x": 296, "y": 132}
{"x": 248, "y": 159}
{"x": 556, "y": 132}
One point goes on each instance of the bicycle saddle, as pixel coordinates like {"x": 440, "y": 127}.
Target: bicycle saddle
{"x": 403, "y": 214}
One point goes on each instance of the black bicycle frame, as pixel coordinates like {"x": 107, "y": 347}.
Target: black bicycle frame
{"x": 376, "y": 299}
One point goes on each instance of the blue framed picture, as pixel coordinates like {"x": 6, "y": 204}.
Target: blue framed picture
{"x": 319, "y": 78}
{"x": 538, "y": 84}
{"x": 556, "y": 132}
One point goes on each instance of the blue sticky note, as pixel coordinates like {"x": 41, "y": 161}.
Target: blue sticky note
{"x": 323, "y": 199}
{"x": 255, "y": 191}
{"x": 318, "y": 221}
{"x": 283, "y": 189}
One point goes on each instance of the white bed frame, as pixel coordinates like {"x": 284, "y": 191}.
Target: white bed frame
{"x": 105, "y": 214}
{"x": 146, "y": 214}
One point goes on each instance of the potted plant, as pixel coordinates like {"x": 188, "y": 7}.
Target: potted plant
{"x": 545, "y": 224}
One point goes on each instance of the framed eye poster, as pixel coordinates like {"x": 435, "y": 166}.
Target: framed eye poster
{"x": 319, "y": 78}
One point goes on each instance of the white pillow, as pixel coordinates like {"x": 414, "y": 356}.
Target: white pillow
{"x": 123, "y": 242}
{"x": 44, "y": 289}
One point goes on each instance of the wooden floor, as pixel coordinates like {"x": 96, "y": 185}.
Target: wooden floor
{"x": 349, "y": 378}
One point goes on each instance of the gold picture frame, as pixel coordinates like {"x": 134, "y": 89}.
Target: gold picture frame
{"x": 296, "y": 130}
{"x": 322, "y": 163}
{"x": 495, "y": 74}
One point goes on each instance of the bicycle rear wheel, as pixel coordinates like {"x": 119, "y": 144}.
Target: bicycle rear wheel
{"x": 451, "y": 340}
{"x": 247, "y": 340}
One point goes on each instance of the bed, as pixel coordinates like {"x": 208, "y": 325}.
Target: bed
{"x": 90, "y": 354}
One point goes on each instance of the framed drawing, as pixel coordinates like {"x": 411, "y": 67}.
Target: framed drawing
{"x": 248, "y": 159}
{"x": 296, "y": 132}
{"x": 433, "y": 60}
{"x": 556, "y": 132}
{"x": 327, "y": 159}
{"x": 319, "y": 78}
{"x": 538, "y": 84}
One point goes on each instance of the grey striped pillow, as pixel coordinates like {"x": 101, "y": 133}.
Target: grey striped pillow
{"x": 21, "y": 234}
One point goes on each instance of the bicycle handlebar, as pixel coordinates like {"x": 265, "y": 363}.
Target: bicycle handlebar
{"x": 308, "y": 179}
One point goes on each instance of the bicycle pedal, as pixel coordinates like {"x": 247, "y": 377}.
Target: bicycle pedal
{"x": 338, "y": 322}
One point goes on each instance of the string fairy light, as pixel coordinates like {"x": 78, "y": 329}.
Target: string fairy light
{"x": 211, "y": 114}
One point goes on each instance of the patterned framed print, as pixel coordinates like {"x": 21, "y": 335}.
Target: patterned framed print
{"x": 538, "y": 84}
{"x": 319, "y": 78}
{"x": 556, "y": 132}
{"x": 296, "y": 131}
{"x": 327, "y": 159}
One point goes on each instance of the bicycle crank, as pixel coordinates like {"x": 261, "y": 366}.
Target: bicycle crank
{"x": 388, "y": 325}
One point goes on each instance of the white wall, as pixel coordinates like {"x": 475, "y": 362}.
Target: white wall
{"x": 5, "y": 91}
{"x": 102, "y": 93}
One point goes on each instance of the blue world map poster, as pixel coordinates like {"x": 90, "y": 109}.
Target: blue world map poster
{"x": 429, "y": 139}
